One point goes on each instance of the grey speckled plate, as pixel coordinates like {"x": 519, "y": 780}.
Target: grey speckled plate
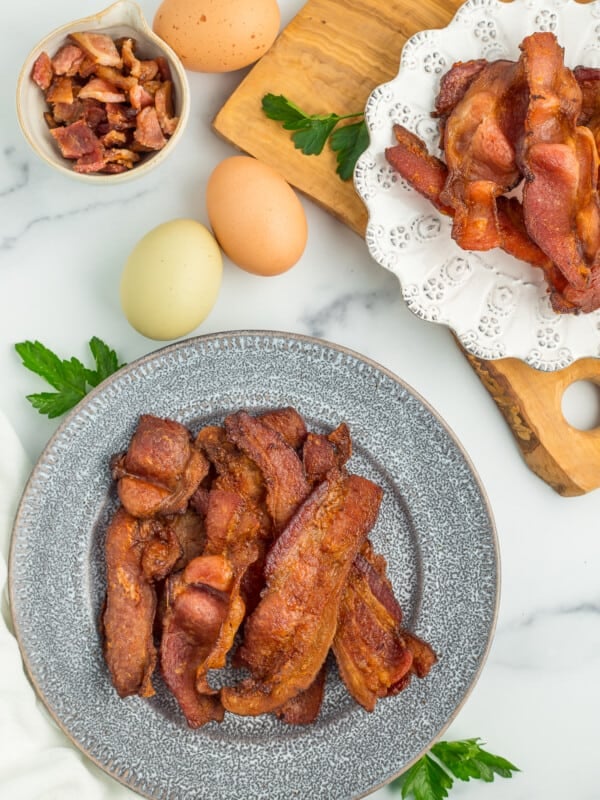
{"x": 435, "y": 529}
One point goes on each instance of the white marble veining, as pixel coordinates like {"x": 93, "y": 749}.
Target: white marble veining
{"x": 62, "y": 248}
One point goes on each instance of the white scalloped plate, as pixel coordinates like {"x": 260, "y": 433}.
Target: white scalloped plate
{"x": 497, "y": 306}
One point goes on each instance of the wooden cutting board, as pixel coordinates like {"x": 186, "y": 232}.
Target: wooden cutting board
{"x": 328, "y": 59}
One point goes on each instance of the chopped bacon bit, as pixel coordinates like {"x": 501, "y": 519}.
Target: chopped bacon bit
{"x": 148, "y": 133}
{"x": 106, "y": 106}
{"x": 152, "y": 86}
{"x": 60, "y": 91}
{"x": 148, "y": 71}
{"x": 114, "y": 137}
{"x": 133, "y": 64}
{"x": 120, "y": 117}
{"x": 94, "y": 112}
{"x": 102, "y": 90}
{"x": 163, "y": 68}
{"x": 66, "y": 113}
{"x": 68, "y": 60}
{"x": 112, "y": 75}
{"x": 87, "y": 67}
{"x": 163, "y": 100}
{"x": 114, "y": 168}
{"x": 139, "y": 97}
{"x": 42, "y": 71}
{"x": 76, "y": 140}
{"x": 122, "y": 155}
{"x": 50, "y": 121}
{"x": 91, "y": 162}
{"x": 99, "y": 47}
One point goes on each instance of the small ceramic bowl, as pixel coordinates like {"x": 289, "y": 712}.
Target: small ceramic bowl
{"x": 123, "y": 18}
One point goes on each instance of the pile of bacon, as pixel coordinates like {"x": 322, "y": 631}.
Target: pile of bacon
{"x": 247, "y": 546}
{"x": 503, "y": 122}
{"x": 106, "y": 106}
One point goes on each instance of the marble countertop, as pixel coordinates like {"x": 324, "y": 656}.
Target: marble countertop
{"x": 62, "y": 248}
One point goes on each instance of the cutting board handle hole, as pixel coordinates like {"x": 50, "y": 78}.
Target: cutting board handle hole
{"x": 581, "y": 405}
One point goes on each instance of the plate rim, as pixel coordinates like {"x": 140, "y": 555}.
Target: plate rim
{"x": 274, "y": 334}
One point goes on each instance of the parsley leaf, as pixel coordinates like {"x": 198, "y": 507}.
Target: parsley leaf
{"x": 432, "y": 776}
{"x": 311, "y": 131}
{"x": 106, "y": 361}
{"x": 278, "y": 107}
{"x": 426, "y": 780}
{"x": 467, "y": 760}
{"x": 311, "y": 138}
{"x": 349, "y": 141}
{"x": 71, "y": 379}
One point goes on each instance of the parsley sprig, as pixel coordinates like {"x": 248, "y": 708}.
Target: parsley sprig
{"x": 312, "y": 131}
{"x": 71, "y": 379}
{"x": 432, "y": 776}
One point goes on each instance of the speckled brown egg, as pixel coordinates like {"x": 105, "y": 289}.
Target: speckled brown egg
{"x": 218, "y": 35}
{"x": 256, "y": 216}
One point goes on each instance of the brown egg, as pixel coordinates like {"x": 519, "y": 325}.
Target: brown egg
{"x": 256, "y": 216}
{"x": 218, "y": 35}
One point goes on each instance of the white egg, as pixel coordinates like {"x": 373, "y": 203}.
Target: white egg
{"x": 171, "y": 279}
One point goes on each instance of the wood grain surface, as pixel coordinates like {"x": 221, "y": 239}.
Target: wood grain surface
{"x": 328, "y": 59}
{"x": 568, "y": 459}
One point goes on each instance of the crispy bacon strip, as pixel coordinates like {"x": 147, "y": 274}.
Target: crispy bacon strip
{"x": 233, "y": 532}
{"x": 238, "y": 475}
{"x": 588, "y": 79}
{"x": 287, "y": 637}
{"x": 190, "y": 531}
{"x": 560, "y": 163}
{"x": 423, "y": 655}
{"x": 288, "y": 423}
{"x": 321, "y": 453}
{"x": 304, "y": 708}
{"x": 427, "y": 175}
{"x": 138, "y": 553}
{"x": 454, "y": 84}
{"x": 236, "y": 471}
{"x": 232, "y": 529}
{"x": 424, "y": 172}
{"x": 198, "y": 606}
{"x": 160, "y": 470}
{"x": 480, "y": 157}
{"x": 516, "y": 241}
{"x": 374, "y": 654}
{"x": 281, "y": 468}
